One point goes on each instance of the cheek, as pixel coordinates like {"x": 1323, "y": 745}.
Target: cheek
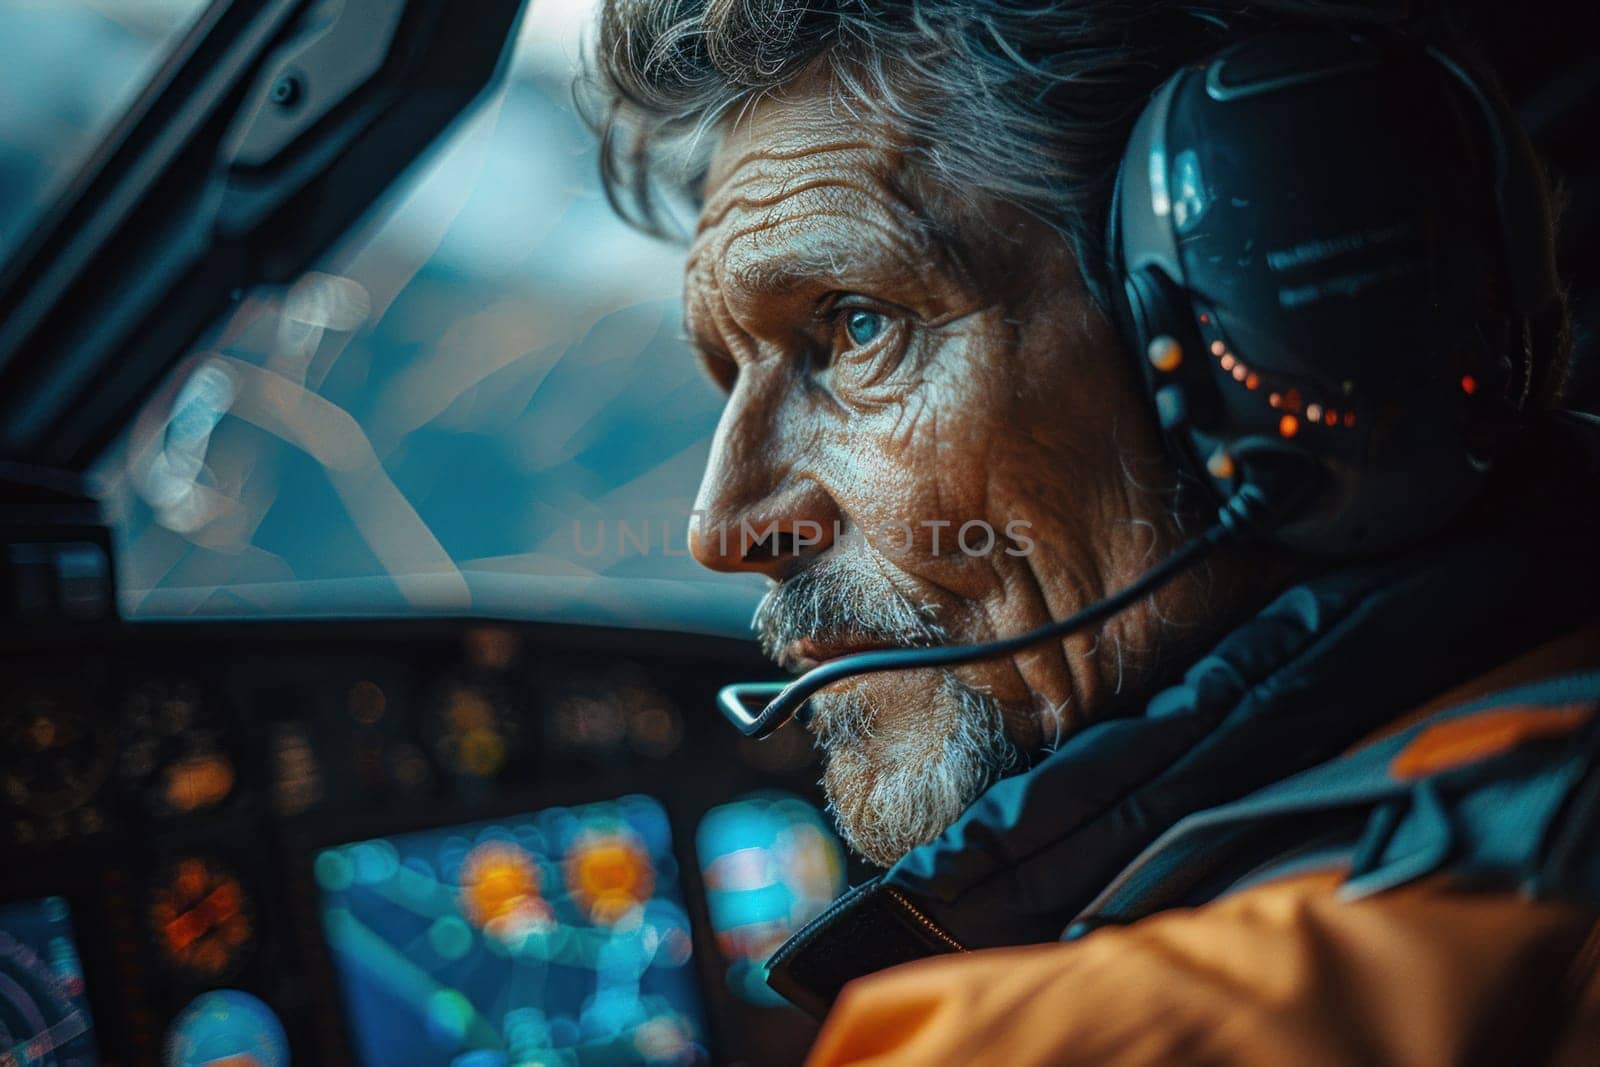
{"x": 922, "y": 481}
{"x": 929, "y": 456}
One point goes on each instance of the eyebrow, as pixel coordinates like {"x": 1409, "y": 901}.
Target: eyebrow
{"x": 783, "y": 264}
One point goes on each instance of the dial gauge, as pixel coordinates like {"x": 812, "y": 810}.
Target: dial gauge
{"x": 202, "y": 920}
{"x": 475, "y": 729}
{"x": 175, "y": 755}
{"x": 44, "y": 1013}
{"x": 53, "y": 756}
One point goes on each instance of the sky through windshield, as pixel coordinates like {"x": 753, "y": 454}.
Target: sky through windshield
{"x": 480, "y": 402}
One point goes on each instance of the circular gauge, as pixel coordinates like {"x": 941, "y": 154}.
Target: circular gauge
{"x": 226, "y": 1026}
{"x": 201, "y": 919}
{"x": 598, "y": 718}
{"x": 609, "y": 872}
{"x": 383, "y": 760}
{"x": 475, "y": 728}
{"x": 175, "y": 754}
{"x": 52, "y": 758}
{"x": 655, "y": 728}
{"x": 41, "y": 1011}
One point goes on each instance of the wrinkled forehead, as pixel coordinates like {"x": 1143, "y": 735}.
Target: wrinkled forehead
{"x": 808, "y": 188}
{"x": 798, "y": 126}
{"x": 799, "y": 183}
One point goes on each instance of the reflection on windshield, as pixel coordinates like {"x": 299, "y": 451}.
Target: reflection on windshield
{"x": 481, "y": 402}
{"x": 68, "y": 69}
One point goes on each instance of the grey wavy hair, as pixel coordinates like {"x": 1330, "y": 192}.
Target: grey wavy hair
{"x": 1027, "y": 101}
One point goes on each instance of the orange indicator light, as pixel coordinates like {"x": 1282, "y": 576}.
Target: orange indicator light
{"x": 1165, "y": 354}
{"x": 608, "y": 874}
{"x": 499, "y": 881}
{"x": 1288, "y": 426}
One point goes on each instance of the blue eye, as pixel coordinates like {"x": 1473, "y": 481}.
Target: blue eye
{"x": 864, "y": 326}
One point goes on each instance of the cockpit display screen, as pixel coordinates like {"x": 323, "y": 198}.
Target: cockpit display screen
{"x": 44, "y": 1013}
{"x": 553, "y": 937}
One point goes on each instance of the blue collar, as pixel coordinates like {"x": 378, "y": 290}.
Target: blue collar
{"x": 1324, "y": 664}
{"x": 1320, "y": 668}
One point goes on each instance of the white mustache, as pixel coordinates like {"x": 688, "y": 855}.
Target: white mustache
{"x": 836, "y": 603}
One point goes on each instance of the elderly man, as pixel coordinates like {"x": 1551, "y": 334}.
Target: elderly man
{"x": 1285, "y": 810}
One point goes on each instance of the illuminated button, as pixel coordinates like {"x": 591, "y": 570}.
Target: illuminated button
{"x": 1469, "y": 384}
{"x": 1171, "y": 408}
{"x": 1165, "y": 354}
{"x": 1288, "y": 426}
{"x": 608, "y": 873}
{"x": 227, "y": 1027}
{"x": 199, "y": 782}
{"x": 1217, "y": 348}
{"x": 1314, "y": 412}
{"x": 202, "y": 918}
{"x": 500, "y": 888}
{"x": 1221, "y": 464}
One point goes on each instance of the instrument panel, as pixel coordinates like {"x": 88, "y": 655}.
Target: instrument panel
{"x": 410, "y": 842}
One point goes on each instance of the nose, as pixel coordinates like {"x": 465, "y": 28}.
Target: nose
{"x": 757, "y": 511}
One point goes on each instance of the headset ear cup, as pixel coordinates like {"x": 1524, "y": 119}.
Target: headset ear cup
{"x": 1183, "y": 395}
{"x": 1158, "y": 308}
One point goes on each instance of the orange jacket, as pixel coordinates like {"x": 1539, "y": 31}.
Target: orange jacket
{"x": 1281, "y": 974}
{"x": 1282, "y": 971}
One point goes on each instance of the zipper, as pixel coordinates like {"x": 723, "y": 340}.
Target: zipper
{"x": 926, "y": 923}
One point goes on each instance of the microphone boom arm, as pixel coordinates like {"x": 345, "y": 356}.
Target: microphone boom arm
{"x": 1279, "y": 487}
{"x": 783, "y": 700}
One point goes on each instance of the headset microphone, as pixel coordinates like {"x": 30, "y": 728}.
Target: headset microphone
{"x": 1332, "y": 256}
{"x": 1275, "y": 496}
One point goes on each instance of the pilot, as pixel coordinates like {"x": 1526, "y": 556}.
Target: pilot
{"x": 1294, "y": 807}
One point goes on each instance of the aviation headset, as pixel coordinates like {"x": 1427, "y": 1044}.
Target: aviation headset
{"x": 1308, "y": 276}
{"x": 1336, "y": 324}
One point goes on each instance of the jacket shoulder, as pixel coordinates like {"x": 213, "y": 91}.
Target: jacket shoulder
{"x": 1280, "y": 972}
{"x": 1503, "y": 791}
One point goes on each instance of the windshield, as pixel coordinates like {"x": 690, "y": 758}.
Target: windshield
{"x": 479, "y": 403}
{"x": 68, "y": 69}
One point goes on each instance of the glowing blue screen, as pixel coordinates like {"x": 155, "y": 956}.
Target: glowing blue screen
{"x": 555, "y": 937}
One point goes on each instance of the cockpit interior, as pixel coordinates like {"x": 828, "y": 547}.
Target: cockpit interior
{"x": 357, "y": 690}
